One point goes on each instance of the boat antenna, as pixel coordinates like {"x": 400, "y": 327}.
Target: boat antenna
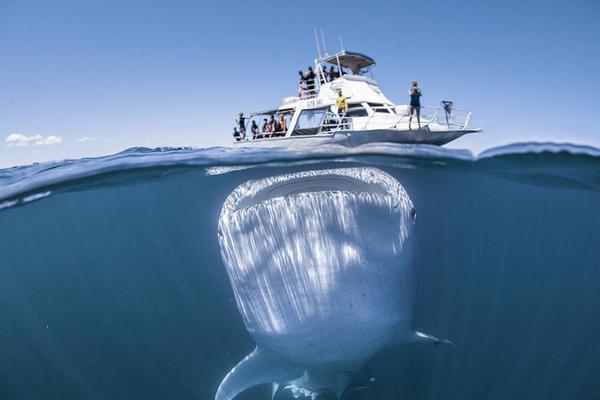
{"x": 341, "y": 44}
{"x": 323, "y": 40}
{"x": 317, "y": 41}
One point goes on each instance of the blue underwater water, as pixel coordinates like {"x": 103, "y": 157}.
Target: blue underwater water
{"x": 113, "y": 286}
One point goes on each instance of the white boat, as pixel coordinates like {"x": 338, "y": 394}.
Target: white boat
{"x": 311, "y": 117}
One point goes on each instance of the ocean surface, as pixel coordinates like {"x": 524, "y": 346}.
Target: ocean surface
{"x": 113, "y": 284}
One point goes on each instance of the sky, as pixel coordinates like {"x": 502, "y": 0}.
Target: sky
{"x": 88, "y": 78}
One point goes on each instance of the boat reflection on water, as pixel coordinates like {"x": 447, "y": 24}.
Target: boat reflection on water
{"x": 320, "y": 263}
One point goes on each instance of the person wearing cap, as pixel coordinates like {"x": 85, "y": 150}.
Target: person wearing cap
{"x": 415, "y": 103}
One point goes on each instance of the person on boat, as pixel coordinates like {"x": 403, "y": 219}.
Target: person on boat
{"x": 332, "y": 73}
{"x": 266, "y": 128}
{"x": 323, "y": 75}
{"x": 273, "y": 124}
{"x": 241, "y": 123}
{"x": 301, "y": 83}
{"x": 415, "y": 103}
{"x": 254, "y": 129}
{"x": 341, "y": 104}
{"x": 237, "y": 135}
{"x": 282, "y": 124}
{"x": 310, "y": 80}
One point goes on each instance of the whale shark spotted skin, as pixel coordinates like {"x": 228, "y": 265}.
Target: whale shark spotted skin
{"x": 321, "y": 267}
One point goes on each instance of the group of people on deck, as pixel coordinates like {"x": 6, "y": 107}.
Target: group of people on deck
{"x": 307, "y": 83}
{"x": 272, "y": 127}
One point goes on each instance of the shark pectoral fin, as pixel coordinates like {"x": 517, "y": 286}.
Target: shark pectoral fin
{"x": 420, "y": 337}
{"x": 256, "y": 368}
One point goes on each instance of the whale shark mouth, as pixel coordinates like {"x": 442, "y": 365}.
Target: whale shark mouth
{"x": 287, "y": 240}
{"x": 363, "y": 181}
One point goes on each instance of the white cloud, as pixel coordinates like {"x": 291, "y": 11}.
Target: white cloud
{"x": 20, "y": 140}
{"x": 48, "y": 140}
{"x": 86, "y": 139}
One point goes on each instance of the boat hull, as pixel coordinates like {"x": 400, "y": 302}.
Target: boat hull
{"x": 357, "y": 138}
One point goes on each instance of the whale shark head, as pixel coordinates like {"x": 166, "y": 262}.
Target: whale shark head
{"x": 320, "y": 263}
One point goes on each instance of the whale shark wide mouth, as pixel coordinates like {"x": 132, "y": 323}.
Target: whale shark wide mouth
{"x": 287, "y": 237}
{"x": 355, "y": 181}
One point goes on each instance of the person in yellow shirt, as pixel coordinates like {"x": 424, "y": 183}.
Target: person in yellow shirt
{"x": 341, "y": 103}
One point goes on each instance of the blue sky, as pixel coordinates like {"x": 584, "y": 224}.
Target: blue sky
{"x": 84, "y": 78}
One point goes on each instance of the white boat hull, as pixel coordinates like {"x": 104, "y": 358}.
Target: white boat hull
{"x": 356, "y": 138}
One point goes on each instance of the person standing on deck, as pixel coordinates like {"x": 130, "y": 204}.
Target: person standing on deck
{"x": 341, "y": 104}
{"x": 301, "y": 84}
{"x": 332, "y": 74}
{"x": 415, "y": 103}
{"x": 310, "y": 82}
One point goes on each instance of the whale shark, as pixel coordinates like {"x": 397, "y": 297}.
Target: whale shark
{"x": 322, "y": 269}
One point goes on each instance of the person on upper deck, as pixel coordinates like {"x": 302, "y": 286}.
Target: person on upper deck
{"x": 323, "y": 75}
{"x": 310, "y": 80}
{"x": 341, "y": 104}
{"x": 332, "y": 73}
{"x": 415, "y": 103}
{"x": 301, "y": 83}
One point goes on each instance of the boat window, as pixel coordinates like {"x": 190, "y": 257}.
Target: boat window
{"x": 356, "y": 110}
{"x": 309, "y": 121}
{"x": 380, "y": 108}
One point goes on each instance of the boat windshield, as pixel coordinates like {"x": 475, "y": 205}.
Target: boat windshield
{"x": 310, "y": 121}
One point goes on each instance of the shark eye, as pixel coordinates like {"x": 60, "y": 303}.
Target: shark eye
{"x": 413, "y": 213}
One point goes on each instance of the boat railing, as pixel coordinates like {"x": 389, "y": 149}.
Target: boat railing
{"x": 333, "y": 122}
{"x": 455, "y": 119}
{"x": 383, "y": 111}
{"x": 307, "y": 91}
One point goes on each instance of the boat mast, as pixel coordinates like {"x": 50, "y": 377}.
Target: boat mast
{"x": 317, "y": 41}
{"x": 324, "y": 46}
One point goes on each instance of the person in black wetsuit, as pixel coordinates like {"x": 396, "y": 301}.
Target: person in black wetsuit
{"x": 415, "y": 103}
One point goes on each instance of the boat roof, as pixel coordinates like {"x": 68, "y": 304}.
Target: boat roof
{"x": 349, "y": 59}
{"x": 273, "y": 111}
